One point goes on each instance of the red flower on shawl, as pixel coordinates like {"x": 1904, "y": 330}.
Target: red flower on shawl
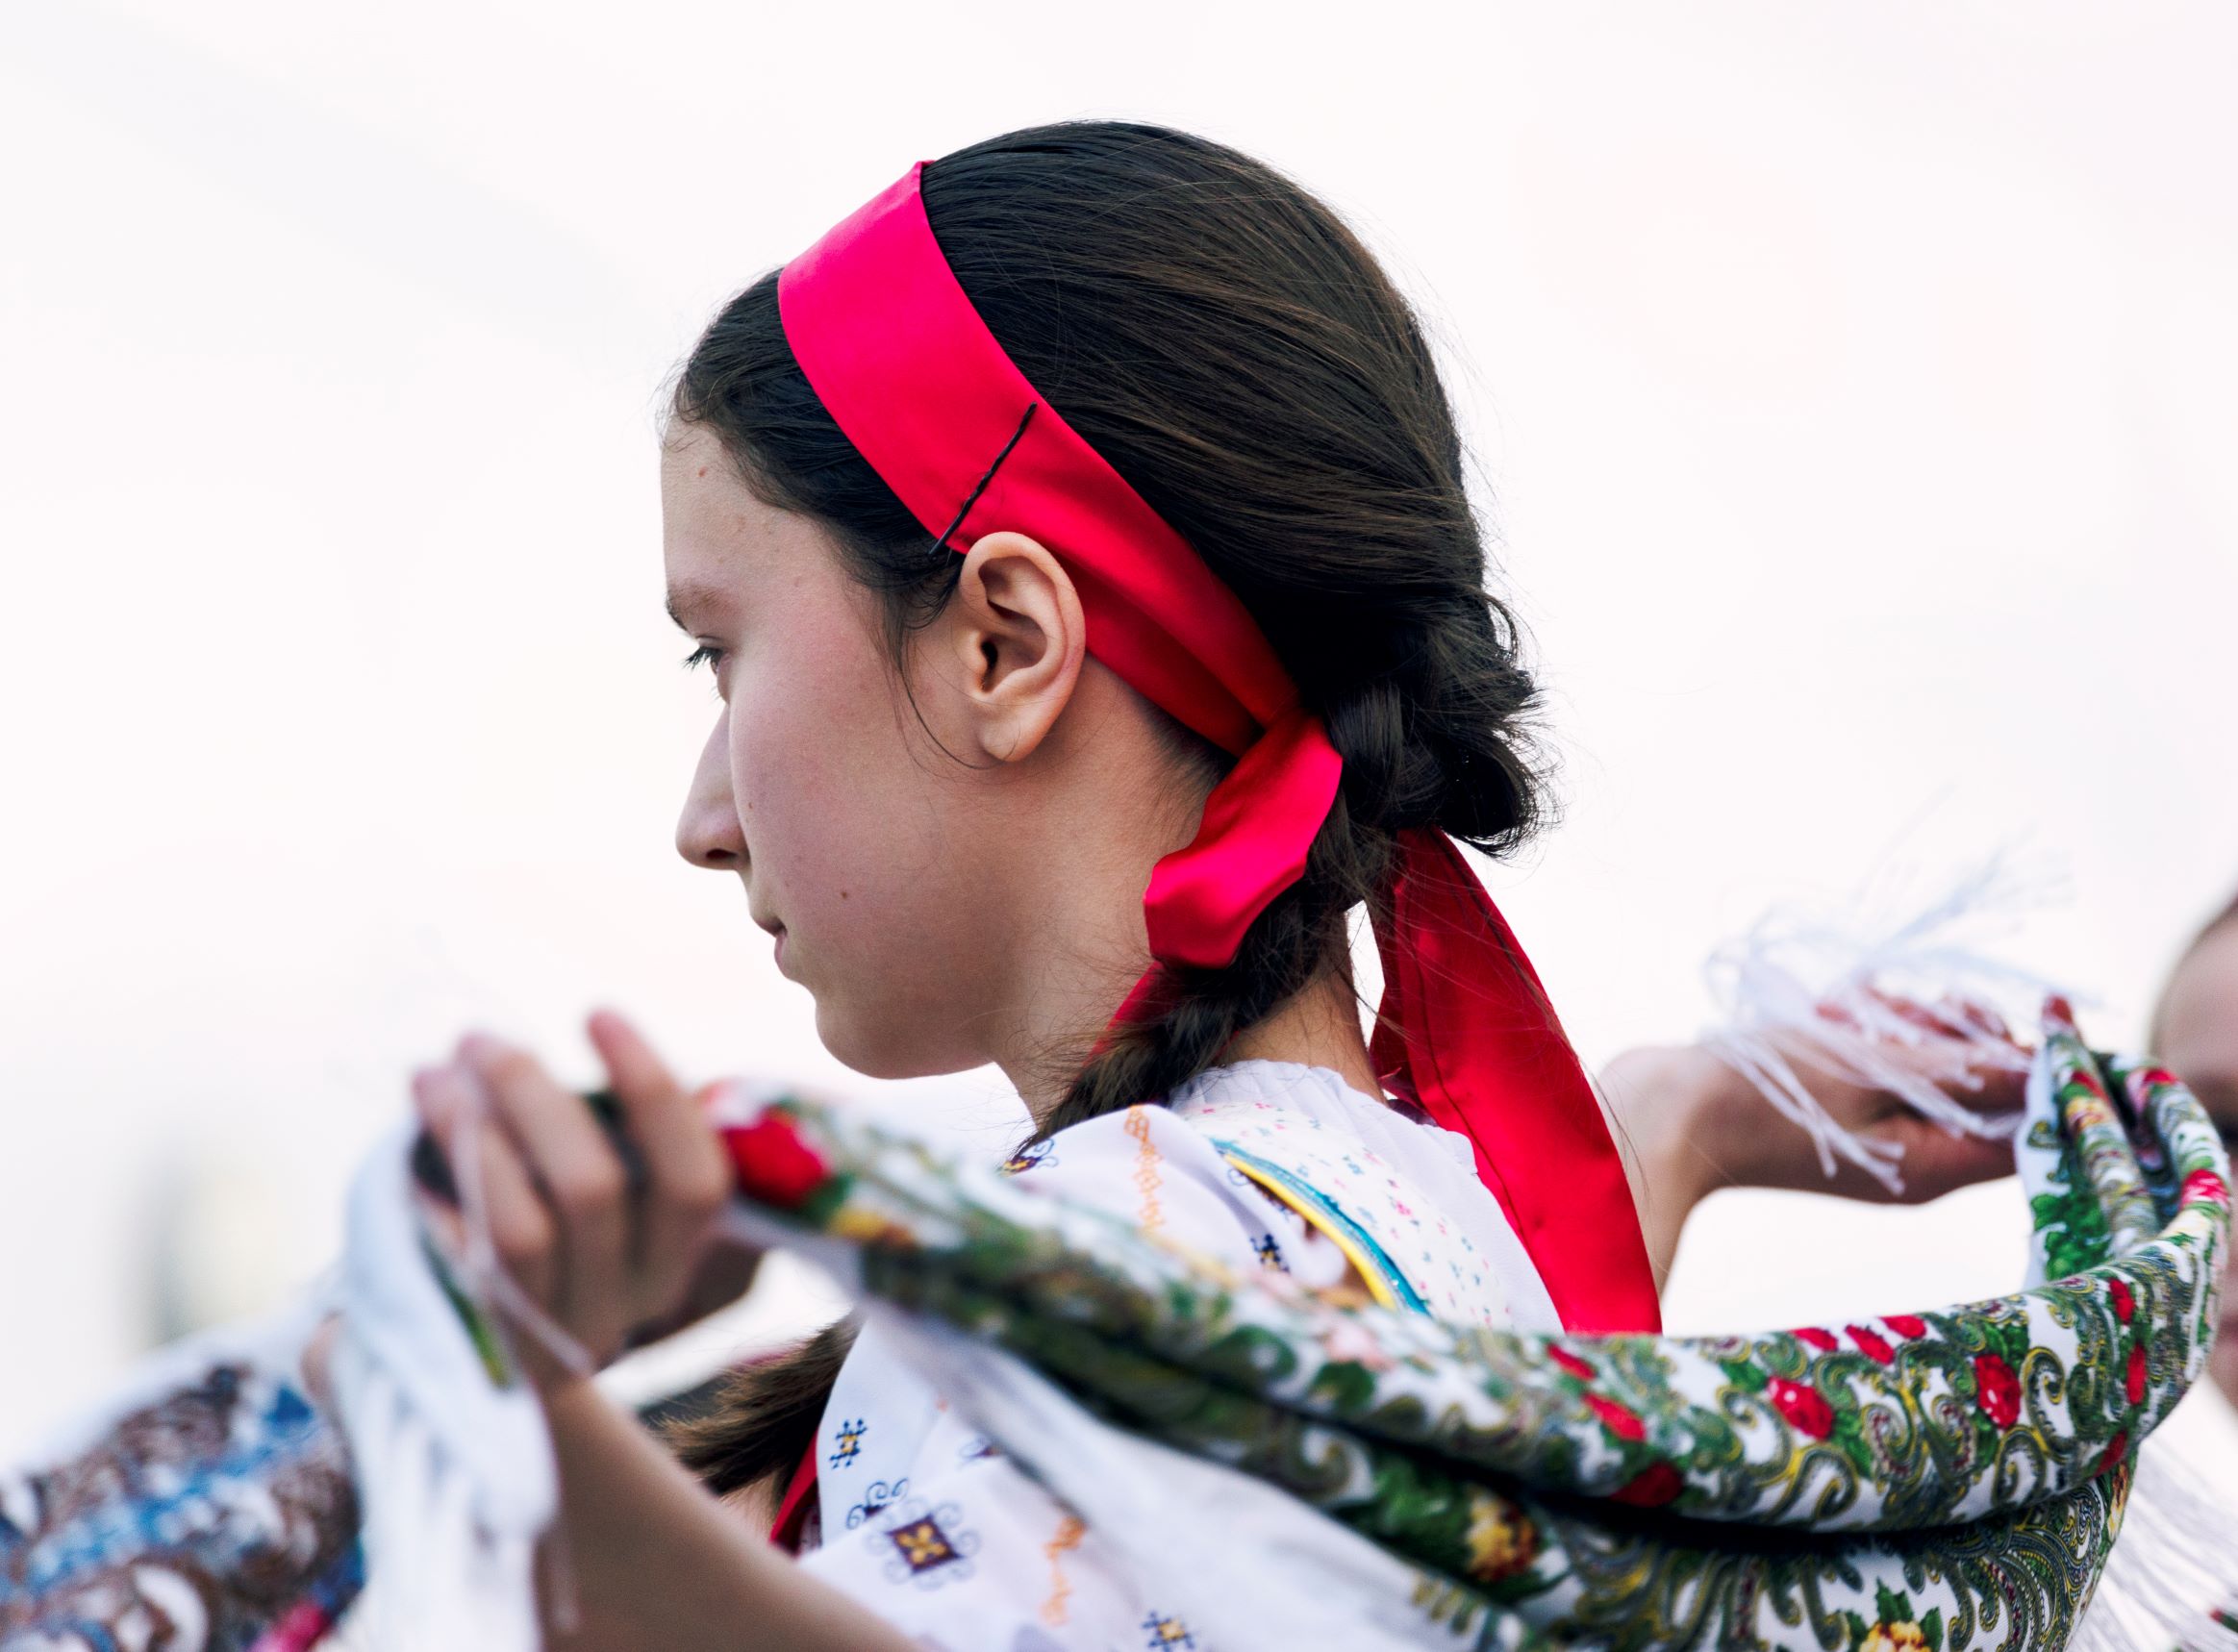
{"x": 2133, "y": 1378}
{"x": 1873, "y": 1345}
{"x": 1651, "y": 1488}
{"x": 1823, "y": 1341}
{"x": 1622, "y": 1423}
{"x": 2204, "y": 1184}
{"x": 1905, "y": 1324}
{"x": 1997, "y": 1389}
{"x": 772, "y": 1162}
{"x": 1572, "y": 1364}
{"x": 1803, "y": 1407}
{"x": 2116, "y": 1447}
{"x": 2124, "y": 1299}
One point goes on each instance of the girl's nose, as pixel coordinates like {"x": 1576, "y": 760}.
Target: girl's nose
{"x": 710, "y": 837}
{"x": 708, "y": 833}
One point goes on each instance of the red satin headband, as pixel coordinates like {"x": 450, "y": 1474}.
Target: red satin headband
{"x": 902, "y": 361}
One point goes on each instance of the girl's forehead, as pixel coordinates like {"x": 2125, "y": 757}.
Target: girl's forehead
{"x": 716, "y": 535}
{"x": 732, "y": 559}
{"x": 698, "y": 475}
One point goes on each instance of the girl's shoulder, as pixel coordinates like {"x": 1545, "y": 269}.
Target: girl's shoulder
{"x": 1289, "y": 1167}
{"x": 1166, "y": 1178}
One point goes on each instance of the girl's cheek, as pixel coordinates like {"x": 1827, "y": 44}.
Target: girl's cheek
{"x": 757, "y": 778}
{"x": 798, "y": 785}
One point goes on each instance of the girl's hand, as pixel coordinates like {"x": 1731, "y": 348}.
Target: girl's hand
{"x": 1690, "y": 1124}
{"x": 598, "y": 1257}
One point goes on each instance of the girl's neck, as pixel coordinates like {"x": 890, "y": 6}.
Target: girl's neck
{"x": 1070, "y": 945}
{"x": 1318, "y": 1028}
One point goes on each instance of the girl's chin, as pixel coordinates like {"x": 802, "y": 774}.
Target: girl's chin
{"x": 877, "y": 1045}
{"x": 857, "y": 1042}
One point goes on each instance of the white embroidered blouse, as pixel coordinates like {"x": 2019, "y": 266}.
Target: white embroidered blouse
{"x": 1257, "y": 1164}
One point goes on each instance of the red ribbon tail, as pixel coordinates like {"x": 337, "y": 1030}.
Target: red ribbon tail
{"x": 1465, "y": 1032}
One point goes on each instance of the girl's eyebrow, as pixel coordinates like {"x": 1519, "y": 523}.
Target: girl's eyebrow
{"x": 689, "y": 597}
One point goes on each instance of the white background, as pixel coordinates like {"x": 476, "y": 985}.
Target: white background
{"x": 1855, "y": 388}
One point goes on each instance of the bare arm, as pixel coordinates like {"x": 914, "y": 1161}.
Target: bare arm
{"x": 1690, "y": 1125}
{"x": 658, "y": 1563}
{"x": 1656, "y": 1099}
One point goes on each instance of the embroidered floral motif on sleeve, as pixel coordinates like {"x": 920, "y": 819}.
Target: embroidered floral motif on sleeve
{"x": 876, "y": 1498}
{"x": 927, "y": 1546}
{"x": 1167, "y": 1633}
{"x": 847, "y": 1442}
{"x": 1032, "y": 1156}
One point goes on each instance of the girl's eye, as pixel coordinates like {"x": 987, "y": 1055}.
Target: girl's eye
{"x": 706, "y": 654}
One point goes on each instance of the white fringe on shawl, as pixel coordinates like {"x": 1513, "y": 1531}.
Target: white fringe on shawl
{"x": 2176, "y": 1560}
{"x": 1821, "y": 990}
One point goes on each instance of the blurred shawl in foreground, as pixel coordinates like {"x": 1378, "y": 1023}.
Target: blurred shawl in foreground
{"x": 208, "y": 1506}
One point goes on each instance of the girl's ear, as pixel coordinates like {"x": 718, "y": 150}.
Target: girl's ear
{"x": 1015, "y": 628}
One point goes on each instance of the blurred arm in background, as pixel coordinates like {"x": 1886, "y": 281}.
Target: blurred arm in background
{"x": 1690, "y": 1125}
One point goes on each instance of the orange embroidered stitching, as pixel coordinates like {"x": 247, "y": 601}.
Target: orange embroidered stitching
{"x": 1069, "y": 1530}
{"x": 1146, "y": 1178}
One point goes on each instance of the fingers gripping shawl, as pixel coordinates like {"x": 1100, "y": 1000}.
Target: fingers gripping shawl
{"x": 1963, "y": 1471}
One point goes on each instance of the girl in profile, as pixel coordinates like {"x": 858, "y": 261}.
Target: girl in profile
{"x": 1077, "y": 540}
{"x": 1077, "y": 543}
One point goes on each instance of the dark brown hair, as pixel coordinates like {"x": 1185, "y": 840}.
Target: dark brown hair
{"x": 1228, "y": 345}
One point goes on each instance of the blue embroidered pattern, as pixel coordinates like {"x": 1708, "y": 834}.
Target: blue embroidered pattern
{"x": 1033, "y": 1153}
{"x": 876, "y": 1499}
{"x": 1303, "y": 1194}
{"x": 1165, "y": 1633}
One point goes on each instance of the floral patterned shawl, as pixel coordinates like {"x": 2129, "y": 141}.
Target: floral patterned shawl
{"x": 1944, "y": 1479}
{"x": 1951, "y": 1479}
